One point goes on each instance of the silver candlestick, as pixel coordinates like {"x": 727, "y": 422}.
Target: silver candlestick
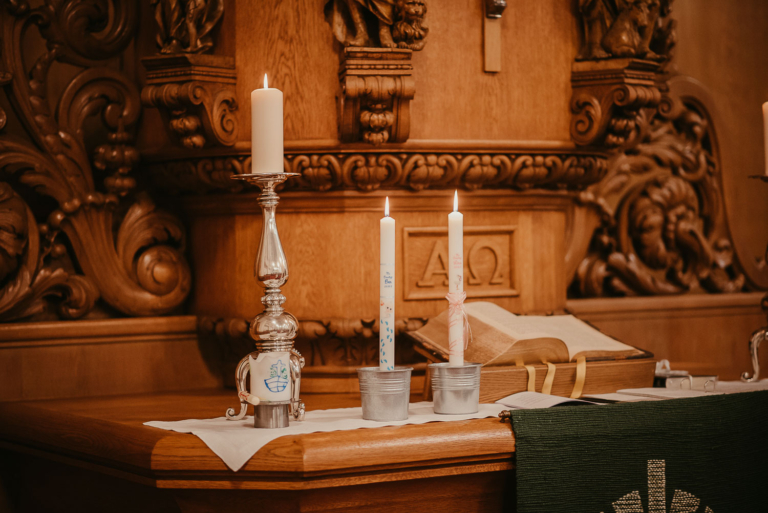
{"x": 274, "y": 329}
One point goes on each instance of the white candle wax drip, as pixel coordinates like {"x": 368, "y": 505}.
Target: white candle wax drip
{"x": 387, "y": 292}
{"x": 455, "y": 283}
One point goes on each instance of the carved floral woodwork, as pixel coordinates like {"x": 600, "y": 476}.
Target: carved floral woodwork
{"x": 123, "y": 249}
{"x": 626, "y": 28}
{"x": 411, "y": 169}
{"x": 378, "y": 23}
{"x": 184, "y": 26}
{"x": 195, "y": 95}
{"x": 662, "y": 227}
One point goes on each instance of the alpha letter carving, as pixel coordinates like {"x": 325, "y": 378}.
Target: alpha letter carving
{"x": 438, "y": 257}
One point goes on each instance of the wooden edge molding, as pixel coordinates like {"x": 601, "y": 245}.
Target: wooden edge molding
{"x": 676, "y": 306}
{"x": 96, "y": 331}
{"x": 303, "y": 202}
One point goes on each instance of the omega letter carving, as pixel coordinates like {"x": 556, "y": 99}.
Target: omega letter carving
{"x": 489, "y": 262}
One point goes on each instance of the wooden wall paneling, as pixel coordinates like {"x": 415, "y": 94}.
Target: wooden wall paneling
{"x": 722, "y": 45}
{"x": 699, "y": 333}
{"x": 53, "y": 360}
{"x": 333, "y": 270}
{"x": 528, "y": 101}
{"x": 292, "y": 42}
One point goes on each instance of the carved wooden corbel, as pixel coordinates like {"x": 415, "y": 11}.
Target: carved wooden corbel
{"x": 624, "y": 51}
{"x": 376, "y": 72}
{"x": 377, "y": 88}
{"x": 195, "y": 95}
{"x": 607, "y": 98}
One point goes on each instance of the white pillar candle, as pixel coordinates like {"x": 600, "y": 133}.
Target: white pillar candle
{"x": 455, "y": 283}
{"x": 387, "y": 291}
{"x": 765, "y": 134}
{"x": 266, "y": 130}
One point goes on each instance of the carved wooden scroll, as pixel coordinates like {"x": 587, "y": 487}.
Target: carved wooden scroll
{"x": 376, "y": 73}
{"x": 662, "y": 228}
{"x": 195, "y": 95}
{"x": 607, "y": 98}
{"x": 659, "y": 220}
{"x": 78, "y": 178}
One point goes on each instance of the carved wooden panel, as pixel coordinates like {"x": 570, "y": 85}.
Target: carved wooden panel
{"x": 663, "y": 229}
{"x": 489, "y": 262}
{"x": 70, "y": 174}
{"x": 416, "y": 168}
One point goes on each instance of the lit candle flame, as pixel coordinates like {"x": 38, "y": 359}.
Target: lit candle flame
{"x": 456, "y": 201}
{"x": 386, "y": 207}
{"x": 266, "y": 85}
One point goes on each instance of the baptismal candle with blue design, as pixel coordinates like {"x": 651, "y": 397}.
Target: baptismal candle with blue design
{"x": 387, "y": 291}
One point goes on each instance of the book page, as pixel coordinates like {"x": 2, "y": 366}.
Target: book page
{"x": 578, "y": 336}
{"x": 532, "y": 400}
{"x": 504, "y": 321}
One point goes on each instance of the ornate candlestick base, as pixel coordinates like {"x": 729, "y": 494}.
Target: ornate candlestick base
{"x": 275, "y": 366}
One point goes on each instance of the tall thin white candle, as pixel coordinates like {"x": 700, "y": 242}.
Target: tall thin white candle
{"x": 765, "y": 134}
{"x": 266, "y": 130}
{"x": 455, "y": 283}
{"x": 387, "y": 291}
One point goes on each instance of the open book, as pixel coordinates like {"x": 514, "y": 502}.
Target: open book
{"x": 503, "y": 338}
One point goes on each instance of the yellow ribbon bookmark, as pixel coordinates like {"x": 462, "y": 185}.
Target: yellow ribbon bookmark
{"x": 581, "y": 376}
{"x": 549, "y": 379}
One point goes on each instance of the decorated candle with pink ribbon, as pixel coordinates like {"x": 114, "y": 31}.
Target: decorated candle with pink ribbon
{"x": 456, "y": 292}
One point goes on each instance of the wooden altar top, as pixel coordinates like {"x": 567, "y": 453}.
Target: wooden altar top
{"x": 107, "y": 435}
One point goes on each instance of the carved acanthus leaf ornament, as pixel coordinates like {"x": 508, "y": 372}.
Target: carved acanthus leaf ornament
{"x": 184, "y": 26}
{"x": 627, "y": 28}
{"x": 663, "y": 228}
{"x": 410, "y": 170}
{"x": 129, "y": 252}
{"x": 327, "y": 342}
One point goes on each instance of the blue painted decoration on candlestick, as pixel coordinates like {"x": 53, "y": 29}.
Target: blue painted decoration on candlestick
{"x": 278, "y": 377}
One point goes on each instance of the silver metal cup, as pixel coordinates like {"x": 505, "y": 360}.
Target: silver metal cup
{"x": 385, "y": 393}
{"x": 456, "y": 390}
{"x": 272, "y": 415}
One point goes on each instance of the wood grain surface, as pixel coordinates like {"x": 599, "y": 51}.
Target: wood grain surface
{"x": 106, "y": 435}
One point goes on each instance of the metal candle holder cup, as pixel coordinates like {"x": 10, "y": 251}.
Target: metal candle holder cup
{"x": 273, "y": 330}
{"x": 456, "y": 390}
{"x": 385, "y": 393}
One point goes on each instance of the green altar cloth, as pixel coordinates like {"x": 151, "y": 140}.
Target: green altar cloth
{"x": 702, "y": 455}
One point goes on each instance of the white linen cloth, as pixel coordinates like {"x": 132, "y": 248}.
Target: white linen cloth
{"x": 236, "y": 441}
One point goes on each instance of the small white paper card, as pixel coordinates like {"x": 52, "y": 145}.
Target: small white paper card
{"x": 533, "y": 400}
